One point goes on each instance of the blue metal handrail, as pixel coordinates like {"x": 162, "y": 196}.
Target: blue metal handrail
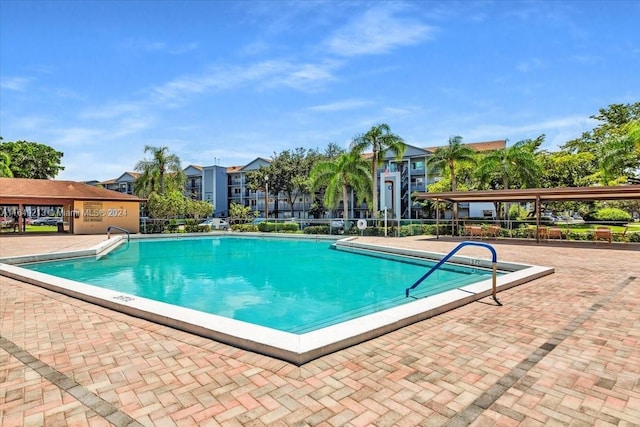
{"x": 117, "y": 228}
{"x": 494, "y": 261}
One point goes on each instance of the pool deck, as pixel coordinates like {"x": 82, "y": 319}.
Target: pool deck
{"x": 562, "y": 350}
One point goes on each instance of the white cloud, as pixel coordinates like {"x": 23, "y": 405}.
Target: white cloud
{"x": 129, "y": 126}
{"x": 19, "y": 84}
{"x": 265, "y": 74}
{"x": 158, "y": 46}
{"x": 75, "y": 136}
{"x": 377, "y": 31}
{"x": 347, "y": 104}
{"x": 557, "y": 130}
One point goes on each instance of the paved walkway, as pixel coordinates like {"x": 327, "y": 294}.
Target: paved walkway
{"x": 563, "y": 350}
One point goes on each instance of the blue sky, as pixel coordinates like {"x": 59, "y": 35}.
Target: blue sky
{"x": 224, "y": 82}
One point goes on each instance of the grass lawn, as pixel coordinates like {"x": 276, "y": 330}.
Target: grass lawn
{"x": 42, "y": 228}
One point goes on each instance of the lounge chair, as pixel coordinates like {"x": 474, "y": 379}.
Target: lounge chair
{"x": 602, "y": 233}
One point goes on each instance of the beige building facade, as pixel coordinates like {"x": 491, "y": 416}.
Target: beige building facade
{"x": 77, "y": 208}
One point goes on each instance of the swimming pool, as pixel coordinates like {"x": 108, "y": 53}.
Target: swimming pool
{"x": 290, "y": 285}
{"x": 274, "y": 296}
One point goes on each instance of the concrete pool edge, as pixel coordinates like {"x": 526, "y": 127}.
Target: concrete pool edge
{"x": 293, "y": 348}
{"x": 100, "y": 249}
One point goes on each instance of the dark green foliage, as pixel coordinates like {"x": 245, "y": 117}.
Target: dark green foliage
{"x": 316, "y": 229}
{"x": 32, "y": 160}
{"x": 612, "y": 214}
{"x": 246, "y": 228}
{"x": 278, "y": 227}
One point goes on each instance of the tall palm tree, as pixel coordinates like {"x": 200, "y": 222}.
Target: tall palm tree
{"x": 348, "y": 170}
{"x": 517, "y": 163}
{"x": 448, "y": 156}
{"x": 162, "y": 173}
{"x": 5, "y": 165}
{"x": 380, "y": 139}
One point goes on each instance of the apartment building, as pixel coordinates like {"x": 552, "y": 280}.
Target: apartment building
{"x": 398, "y": 179}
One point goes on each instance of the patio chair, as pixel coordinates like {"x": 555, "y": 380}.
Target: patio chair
{"x": 602, "y": 233}
{"x": 543, "y": 233}
{"x": 554, "y": 233}
{"x": 474, "y": 230}
{"x": 493, "y": 231}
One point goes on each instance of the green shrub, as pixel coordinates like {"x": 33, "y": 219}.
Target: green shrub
{"x": 633, "y": 237}
{"x": 612, "y": 214}
{"x": 278, "y": 227}
{"x": 192, "y": 226}
{"x": 317, "y": 229}
{"x": 580, "y": 235}
{"x": 244, "y": 228}
{"x": 152, "y": 227}
{"x": 517, "y": 212}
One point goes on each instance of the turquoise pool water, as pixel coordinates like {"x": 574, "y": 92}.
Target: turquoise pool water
{"x": 286, "y": 284}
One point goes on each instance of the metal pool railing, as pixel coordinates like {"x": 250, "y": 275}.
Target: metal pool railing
{"x": 117, "y": 228}
{"x": 494, "y": 261}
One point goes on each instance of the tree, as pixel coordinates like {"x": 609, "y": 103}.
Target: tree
{"x": 331, "y": 152}
{"x": 239, "y": 213}
{"x": 613, "y": 121}
{"x": 167, "y": 205}
{"x": 447, "y": 157}
{"x": 620, "y": 154}
{"x": 162, "y": 173}
{"x": 516, "y": 164}
{"x": 612, "y": 142}
{"x": 259, "y": 180}
{"x": 32, "y": 160}
{"x": 5, "y": 165}
{"x": 380, "y": 140}
{"x": 349, "y": 170}
{"x": 451, "y": 154}
{"x": 563, "y": 169}
{"x": 289, "y": 173}
{"x": 198, "y": 208}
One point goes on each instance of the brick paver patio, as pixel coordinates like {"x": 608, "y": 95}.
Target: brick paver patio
{"x": 562, "y": 350}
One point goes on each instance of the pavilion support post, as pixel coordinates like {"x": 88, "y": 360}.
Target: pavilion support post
{"x": 538, "y": 209}
{"x": 437, "y": 219}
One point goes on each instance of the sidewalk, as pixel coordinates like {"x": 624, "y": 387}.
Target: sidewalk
{"x": 562, "y": 350}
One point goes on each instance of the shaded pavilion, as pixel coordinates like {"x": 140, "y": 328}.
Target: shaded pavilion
{"x": 86, "y": 209}
{"x": 535, "y": 195}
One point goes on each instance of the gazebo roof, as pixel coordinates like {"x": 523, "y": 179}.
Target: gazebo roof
{"x": 623, "y": 192}
{"x": 47, "y": 191}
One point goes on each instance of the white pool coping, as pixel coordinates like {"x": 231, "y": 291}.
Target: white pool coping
{"x": 294, "y": 348}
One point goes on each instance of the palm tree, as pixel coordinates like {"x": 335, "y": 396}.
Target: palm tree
{"x": 448, "y": 156}
{"x": 517, "y": 163}
{"x": 380, "y": 140}
{"x": 5, "y": 165}
{"x": 163, "y": 173}
{"x": 348, "y": 170}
